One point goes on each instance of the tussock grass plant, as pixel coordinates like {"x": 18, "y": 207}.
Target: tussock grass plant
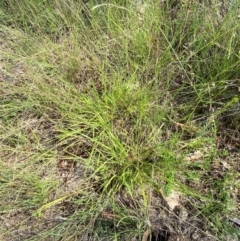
{"x": 108, "y": 108}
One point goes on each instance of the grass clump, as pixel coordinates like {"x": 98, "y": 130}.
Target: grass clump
{"x": 110, "y": 109}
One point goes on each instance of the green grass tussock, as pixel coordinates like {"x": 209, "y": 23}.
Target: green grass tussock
{"x": 110, "y": 109}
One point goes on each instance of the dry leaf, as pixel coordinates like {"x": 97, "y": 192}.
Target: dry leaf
{"x": 173, "y": 200}
{"x": 225, "y": 164}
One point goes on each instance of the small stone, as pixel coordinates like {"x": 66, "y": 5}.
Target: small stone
{"x": 183, "y": 214}
{"x": 195, "y": 236}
